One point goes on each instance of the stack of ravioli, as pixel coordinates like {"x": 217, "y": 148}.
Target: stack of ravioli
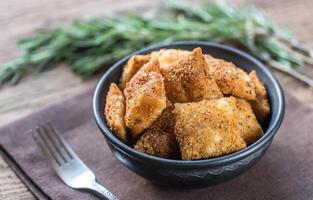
{"x": 186, "y": 105}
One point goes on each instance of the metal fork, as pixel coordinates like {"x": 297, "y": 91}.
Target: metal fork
{"x": 66, "y": 163}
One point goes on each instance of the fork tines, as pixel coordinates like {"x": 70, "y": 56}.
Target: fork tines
{"x": 52, "y": 144}
{"x": 66, "y": 163}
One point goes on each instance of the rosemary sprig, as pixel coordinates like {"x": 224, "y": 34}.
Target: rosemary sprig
{"x": 89, "y": 46}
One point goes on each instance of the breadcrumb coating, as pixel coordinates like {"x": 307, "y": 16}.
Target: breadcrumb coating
{"x": 115, "y": 112}
{"x": 159, "y": 139}
{"x": 145, "y": 98}
{"x": 248, "y": 126}
{"x": 172, "y": 105}
{"x": 231, "y": 80}
{"x": 187, "y": 79}
{"x": 168, "y": 56}
{"x": 245, "y": 121}
{"x": 260, "y": 106}
{"x": 132, "y": 66}
{"x": 207, "y": 129}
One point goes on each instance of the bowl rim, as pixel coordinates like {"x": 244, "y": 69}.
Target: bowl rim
{"x": 268, "y": 135}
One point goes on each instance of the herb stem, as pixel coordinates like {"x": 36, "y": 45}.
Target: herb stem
{"x": 90, "y": 46}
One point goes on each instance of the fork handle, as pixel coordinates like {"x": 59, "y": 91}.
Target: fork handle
{"x": 102, "y": 191}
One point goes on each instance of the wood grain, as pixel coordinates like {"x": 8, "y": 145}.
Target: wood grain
{"x": 10, "y": 186}
{"x": 19, "y": 18}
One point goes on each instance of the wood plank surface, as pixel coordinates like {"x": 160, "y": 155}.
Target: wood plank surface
{"x": 19, "y": 18}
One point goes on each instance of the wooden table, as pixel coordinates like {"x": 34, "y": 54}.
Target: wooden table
{"x": 19, "y": 18}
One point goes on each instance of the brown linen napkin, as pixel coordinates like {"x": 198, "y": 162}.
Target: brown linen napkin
{"x": 285, "y": 172}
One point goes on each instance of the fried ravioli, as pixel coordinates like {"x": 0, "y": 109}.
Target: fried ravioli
{"x": 205, "y": 129}
{"x": 145, "y": 98}
{"x": 132, "y": 66}
{"x": 158, "y": 143}
{"x": 159, "y": 139}
{"x": 115, "y": 112}
{"x": 186, "y": 105}
{"x": 168, "y": 56}
{"x": 231, "y": 80}
{"x": 166, "y": 120}
{"x": 247, "y": 124}
{"x": 187, "y": 79}
{"x": 261, "y": 105}
{"x": 245, "y": 121}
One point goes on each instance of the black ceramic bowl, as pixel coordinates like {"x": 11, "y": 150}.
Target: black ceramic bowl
{"x": 200, "y": 172}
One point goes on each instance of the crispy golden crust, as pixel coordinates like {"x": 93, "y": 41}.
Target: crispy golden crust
{"x": 168, "y": 56}
{"x": 145, "y": 98}
{"x": 245, "y": 120}
{"x": 132, "y": 66}
{"x": 158, "y": 143}
{"x": 166, "y": 120}
{"x": 175, "y": 108}
{"x": 231, "y": 80}
{"x": 248, "y": 126}
{"x": 187, "y": 79}
{"x": 206, "y": 129}
{"x": 260, "y": 106}
{"x": 115, "y": 112}
{"x": 159, "y": 139}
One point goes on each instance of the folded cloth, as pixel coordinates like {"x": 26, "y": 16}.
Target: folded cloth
{"x": 285, "y": 172}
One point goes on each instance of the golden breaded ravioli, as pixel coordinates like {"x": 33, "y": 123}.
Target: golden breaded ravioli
{"x": 182, "y": 104}
{"x": 115, "y": 111}
{"x": 158, "y": 143}
{"x": 260, "y": 106}
{"x": 145, "y": 98}
{"x": 132, "y": 66}
{"x": 187, "y": 79}
{"x": 230, "y": 79}
{"x": 168, "y": 56}
{"x": 245, "y": 121}
{"x": 248, "y": 126}
{"x": 159, "y": 140}
{"x": 207, "y": 129}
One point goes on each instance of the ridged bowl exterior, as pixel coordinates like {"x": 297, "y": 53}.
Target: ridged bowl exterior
{"x": 196, "y": 177}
